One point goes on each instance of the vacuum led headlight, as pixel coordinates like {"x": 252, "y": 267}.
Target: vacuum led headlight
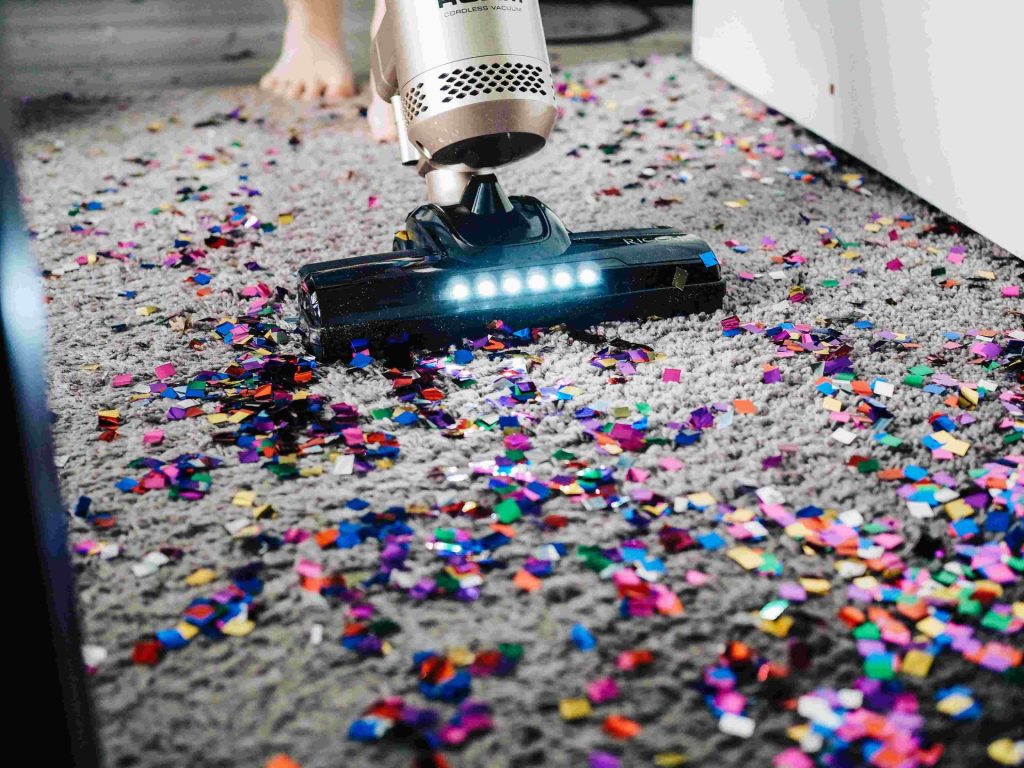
{"x": 562, "y": 278}
{"x": 486, "y": 287}
{"x": 511, "y": 283}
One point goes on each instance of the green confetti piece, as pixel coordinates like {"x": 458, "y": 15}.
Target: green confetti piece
{"x": 879, "y": 669}
{"x": 912, "y": 380}
{"x": 868, "y": 465}
{"x": 384, "y": 627}
{"x": 968, "y": 607}
{"x": 993, "y": 620}
{"x": 508, "y": 511}
{"x": 446, "y": 582}
{"x": 446, "y": 535}
{"x": 867, "y": 631}
{"x": 511, "y": 650}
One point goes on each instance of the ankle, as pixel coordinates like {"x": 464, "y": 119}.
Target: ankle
{"x": 321, "y": 18}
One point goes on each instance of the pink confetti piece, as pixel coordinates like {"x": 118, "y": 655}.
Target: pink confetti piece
{"x": 670, "y": 374}
{"x": 154, "y": 437}
{"x": 670, "y": 464}
{"x": 165, "y": 370}
{"x": 121, "y": 380}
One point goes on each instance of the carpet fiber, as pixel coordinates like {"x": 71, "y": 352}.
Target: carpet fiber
{"x": 158, "y": 217}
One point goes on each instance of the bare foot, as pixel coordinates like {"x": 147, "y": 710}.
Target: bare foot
{"x": 381, "y": 118}
{"x": 313, "y": 65}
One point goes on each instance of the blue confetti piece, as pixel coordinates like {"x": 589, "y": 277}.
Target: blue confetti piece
{"x": 361, "y": 361}
{"x": 711, "y": 541}
{"x": 582, "y": 638}
{"x": 405, "y": 418}
{"x": 708, "y": 257}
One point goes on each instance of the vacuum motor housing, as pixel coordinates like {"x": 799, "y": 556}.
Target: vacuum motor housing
{"x": 473, "y": 76}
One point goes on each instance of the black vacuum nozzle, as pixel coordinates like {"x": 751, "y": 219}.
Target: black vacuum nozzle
{"x": 492, "y": 257}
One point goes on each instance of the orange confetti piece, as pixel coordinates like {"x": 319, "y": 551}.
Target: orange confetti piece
{"x": 619, "y": 727}
{"x": 526, "y": 581}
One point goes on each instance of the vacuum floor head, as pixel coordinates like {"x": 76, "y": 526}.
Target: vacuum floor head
{"x": 456, "y": 268}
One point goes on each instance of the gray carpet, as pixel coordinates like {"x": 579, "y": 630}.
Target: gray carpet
{"x": 240, "y": 700}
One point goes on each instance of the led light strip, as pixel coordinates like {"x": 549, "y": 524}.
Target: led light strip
{"x": 512, "y": 283}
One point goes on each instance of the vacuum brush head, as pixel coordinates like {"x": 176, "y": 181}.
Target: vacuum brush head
{"x": 456, "y": 268}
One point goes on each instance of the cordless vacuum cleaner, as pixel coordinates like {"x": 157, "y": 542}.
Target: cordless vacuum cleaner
{"x": 471, "y": 87}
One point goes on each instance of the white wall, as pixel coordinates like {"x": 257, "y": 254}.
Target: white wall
{"x": 929, "y": 92}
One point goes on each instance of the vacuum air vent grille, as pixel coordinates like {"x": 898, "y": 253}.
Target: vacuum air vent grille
{"x": 414, "y": 102}
{"x": 495, "y": 77}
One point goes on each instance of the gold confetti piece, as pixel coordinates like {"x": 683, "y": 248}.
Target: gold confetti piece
{"x": 796, "y": 531}
{"x": 741, "y": 203}
{"x": 779, "y": 627}
{"x": 917, "y": 663}
{"x": 461, "y": 657}
{"x": 186, "y": 630}
{"x": 574, "y": 709}
{"x": 931, "y": 626}
{"x": 866, "y": 582}
{"x": 669, "y": 759}
{"x": 816, "y": 586}
{"x": 955, "y": 704}
{"x": 957, "y": 509}
{"x": 216, "y": 418}
{"x": 200, "y": 577}
{"x": 244, "y": 498}
{"x": 264, "y": 512}
{"x": 701, "y": 499}
{"x": 238, "y": 627}
{"x": 110, "y": 414}
{"x": 1006, "y": 752}
{"x": 146, "y": 311}
{"x": 746, "y": 557}
{"x": 285, "y": 219}
{"x": 832, "y": 404}
{"x": 798, "y": 732}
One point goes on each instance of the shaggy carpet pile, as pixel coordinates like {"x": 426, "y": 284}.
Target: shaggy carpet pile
{"x": 771, "y": 517}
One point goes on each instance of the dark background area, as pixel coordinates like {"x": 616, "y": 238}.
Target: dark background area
{"x": 107, "y": 46}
